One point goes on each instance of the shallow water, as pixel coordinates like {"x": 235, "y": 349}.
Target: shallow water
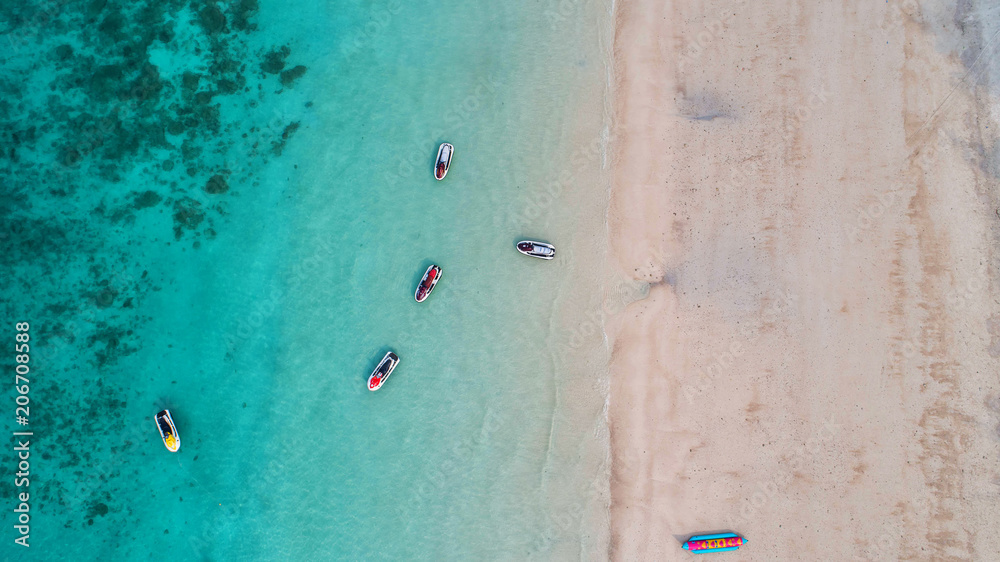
{"x": 238, "y": 239}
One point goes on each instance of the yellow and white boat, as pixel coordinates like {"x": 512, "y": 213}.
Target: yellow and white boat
{"x": 168, "y": 431}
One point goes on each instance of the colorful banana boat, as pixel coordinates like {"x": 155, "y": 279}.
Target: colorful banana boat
{"x": 722, "y": 542}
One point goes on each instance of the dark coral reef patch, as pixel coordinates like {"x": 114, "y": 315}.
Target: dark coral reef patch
{"x": 147, "y": 199}
{"x": 217, "y": 184}
{"x": 288, "y": 77}
{"x": 274, "y": 61}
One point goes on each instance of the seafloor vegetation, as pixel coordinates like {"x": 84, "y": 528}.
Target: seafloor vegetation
{"x": 116, "y": 115}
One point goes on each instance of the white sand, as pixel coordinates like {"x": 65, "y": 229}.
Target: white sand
{"x": 812, "y": 367}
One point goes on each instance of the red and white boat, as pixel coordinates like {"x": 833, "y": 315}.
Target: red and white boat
{"x": 427, "y": 284}
{"x": 541, "y": 250}
{"x": 443, "y": 162}
{"x": 382, "y": 372}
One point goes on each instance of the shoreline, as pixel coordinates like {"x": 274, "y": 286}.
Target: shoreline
{"x": 812, "y": 365}
{"x": 535, "y": 451}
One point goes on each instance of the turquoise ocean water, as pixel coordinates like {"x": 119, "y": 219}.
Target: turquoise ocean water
{"x": 224, "y": 208}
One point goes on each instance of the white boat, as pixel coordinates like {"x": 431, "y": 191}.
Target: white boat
{"x": 535, "y": 249}
{"x": 382, "y": 372}
{"x": 427, "y": 284}
{"x": 168, "y": 431}
{"x": 443, "y": 162}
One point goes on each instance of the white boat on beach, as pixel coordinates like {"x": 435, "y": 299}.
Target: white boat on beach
{"x": 168, "y": 431}
{"x": 443, "y": 162}
{"x": 427, "y": 284}
{"x": 382, "y": 372}
{"x": 540, "y": 250}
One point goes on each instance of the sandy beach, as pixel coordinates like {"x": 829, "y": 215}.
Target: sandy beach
{"x": 810, "y": 193}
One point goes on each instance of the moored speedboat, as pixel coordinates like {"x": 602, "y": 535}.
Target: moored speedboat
{"x": 443, "y": 160}
{"x": 536, "y": 249}
{"x": 427, "y": 284}
{"x": 722, "y": 542}
{"x": 168, "y": 431}
{"x": 382, "y": 372}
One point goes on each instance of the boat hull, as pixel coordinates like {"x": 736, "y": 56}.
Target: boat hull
{"x": 427, "y": 283}
{"x": 721, "y": 542}
{"x": 540, "y": 250}
{"x": 443, "y": 161}
{"x": 385, "y": 368}
{"x": 168, "y": 431}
